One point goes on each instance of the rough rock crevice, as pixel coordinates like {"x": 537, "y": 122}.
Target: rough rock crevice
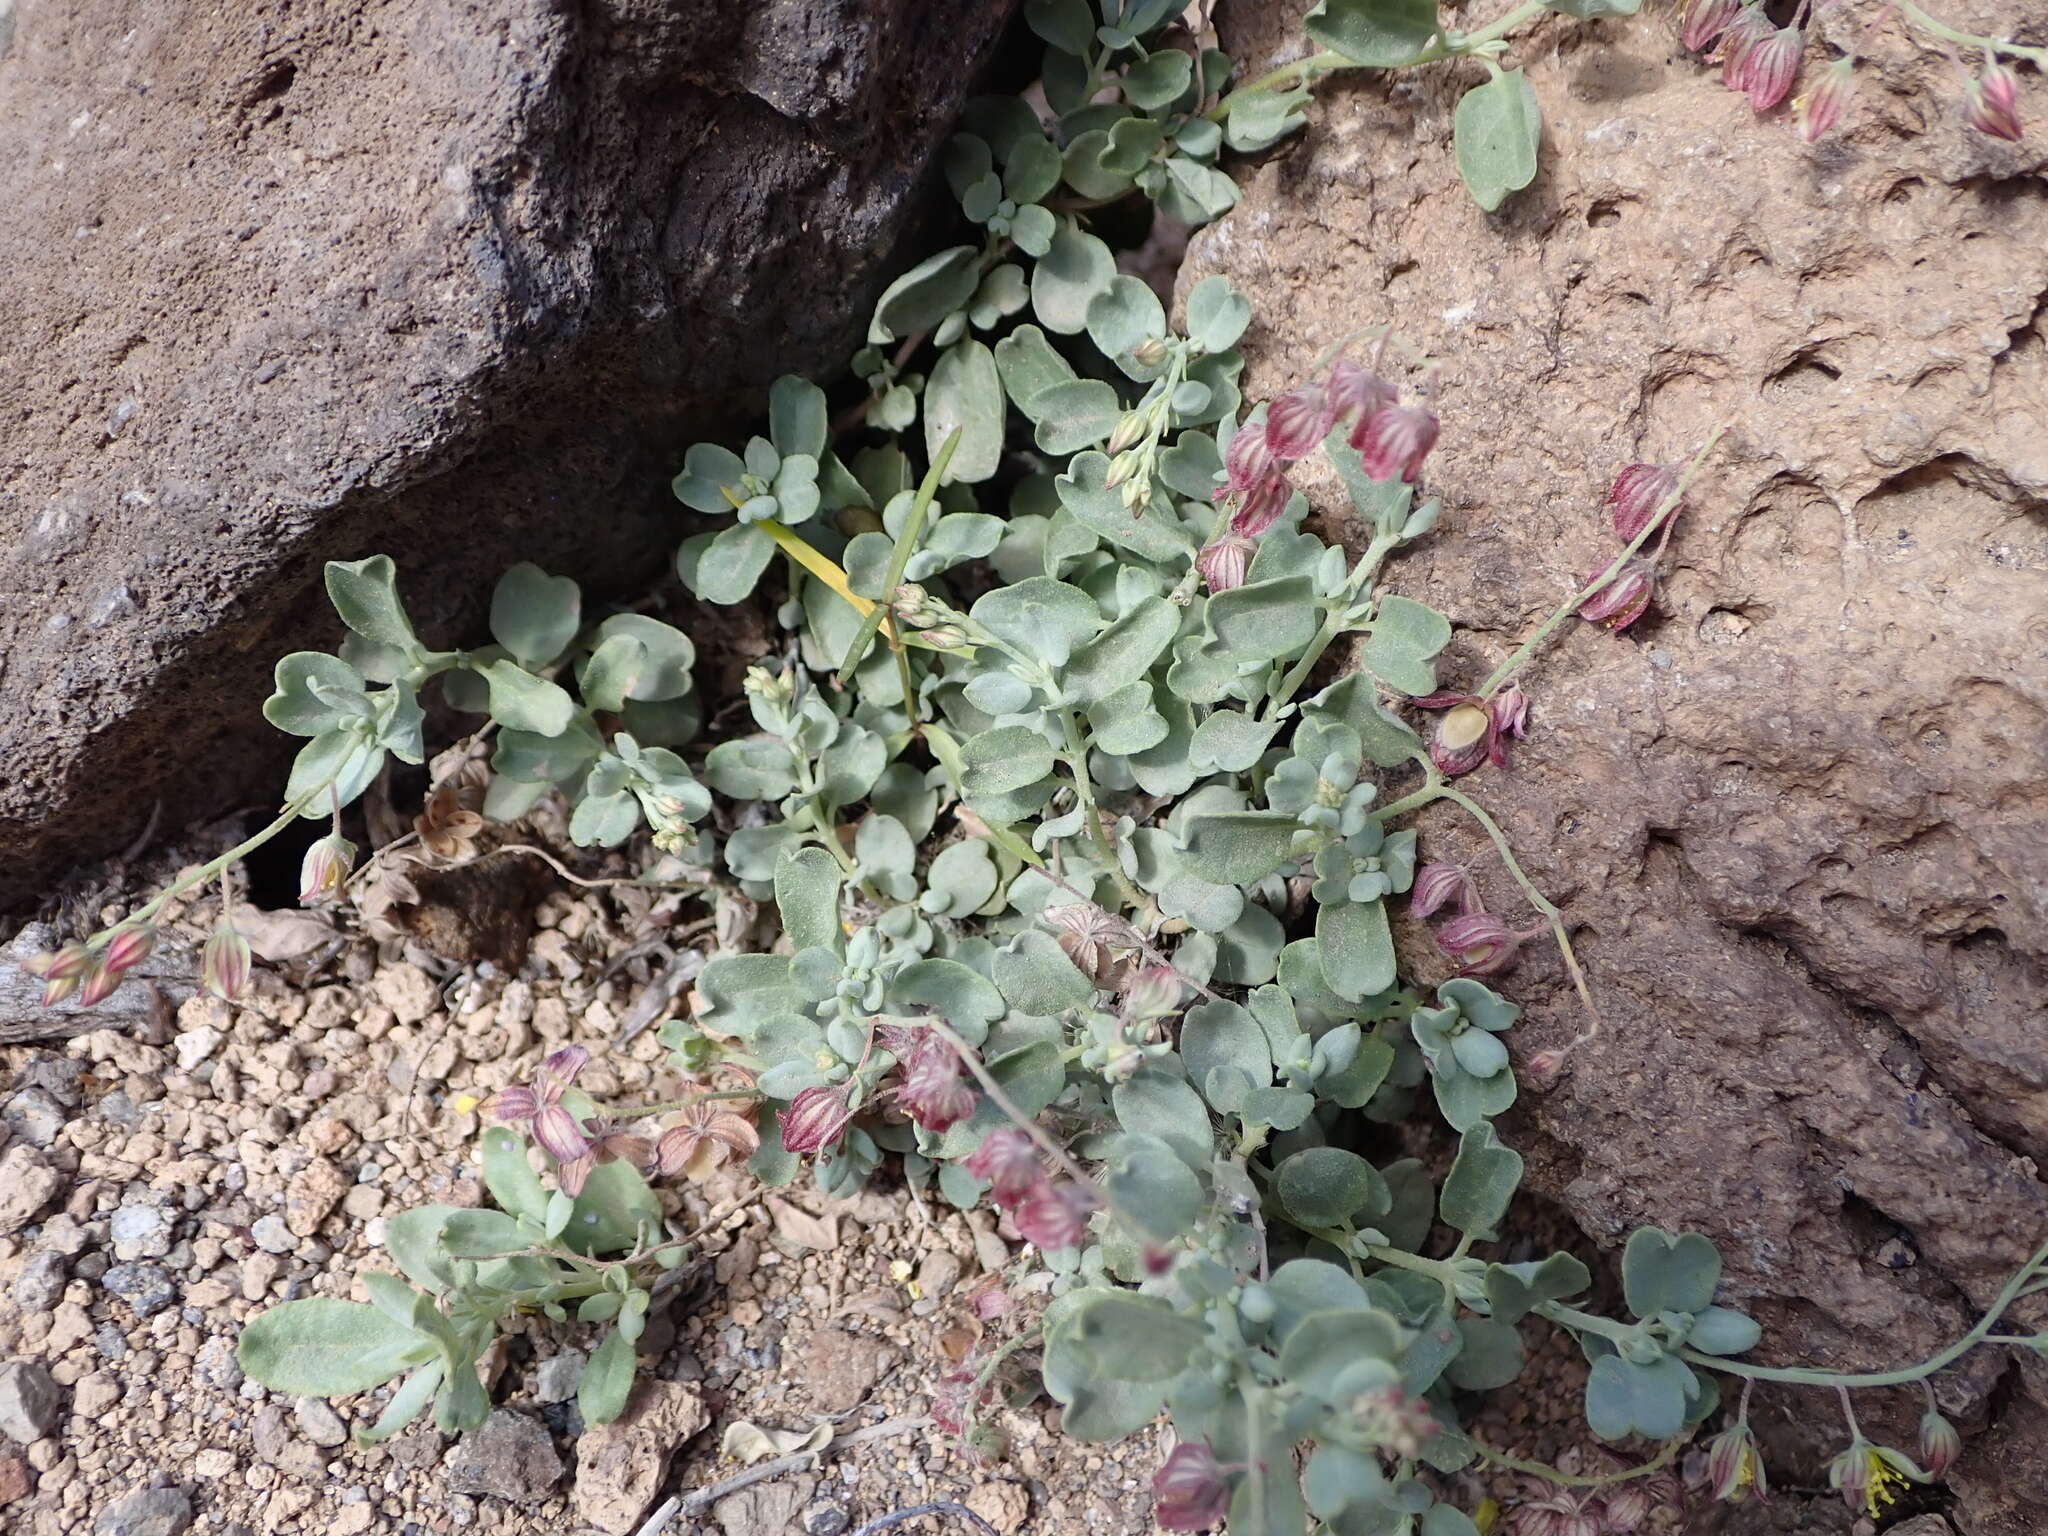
{"x": 1795, "y": 819}
{"x": 453, "y": 283}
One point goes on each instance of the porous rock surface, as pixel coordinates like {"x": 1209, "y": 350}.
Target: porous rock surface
{"x": 1798, "y": 818}
{"x": 456, "y": 283}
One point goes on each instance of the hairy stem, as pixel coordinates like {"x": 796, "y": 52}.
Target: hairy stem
{"x": 1091, "y": 815}
{"x": 1536, "y": 898}
{"x": 1948, "y": 34}
{"x": 1572, "y": 604}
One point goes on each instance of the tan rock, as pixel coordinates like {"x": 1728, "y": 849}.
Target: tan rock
{"x": 839, "y": 1369}
{"x": 313, "y": 1193}
{"x": 621, "y": 1466}
{"x": 27, "y": 1181}
{"x": 407, "y": 991}
{"x": 1002, "y": 1505}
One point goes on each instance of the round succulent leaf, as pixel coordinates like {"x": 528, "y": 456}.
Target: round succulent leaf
{"x": 798, "y": 418}
{"x": 726, "y": 568}
{"x": 1121, "y": 318}
{"x": 1157, "y": 81}
{"x": 1496, "y": 131}
{"x": 1097, "y": 506}
{"x": 1665, "y": 1273}
{"x": 1338, "y": 1479}
{"x": 604, "y": 821}
{"x": 1044, "y": 619}
{"x": 967, "y": 158}
{"x": 1624, "y": 1398}
{"x": 1490, "y": 1356}
{"x": 534, "y": 616}
{"x": 1084, "y": 170}
{"x": 1154, "y": 1104}
{"x": 1068, "y": 25}
{"x": 1006, "y": 759}
{"x": 1150, "y": 1185}
{"x": 1077, "y": 414}
{"x": 315, "y": 692}
{"x": 1483, "y": 1179}
{"x": 1221, "y": 1034}
{"x": 1264, "y": 620}
{"x": 1328, "y": 1187}
{"x": 1381, "y": 33}
{"x": 1479, "y": 1053}
{"x": 322, "y": 1347}
{"x": 925, "y": 295}
{"x": 1514, "y": 1290}
{"x": 1075, "y": 268}
{"x": 1325, "y": 1351}
{"x": 1723, "y": 1331}
{"x": 1034, "y": 974}
{"x": 1357, "y": 948}
{"x": 1031, "y": 170}
{"x": 365, "y": 595}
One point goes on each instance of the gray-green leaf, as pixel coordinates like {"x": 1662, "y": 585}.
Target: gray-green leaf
{"x": 1497, "y": 128}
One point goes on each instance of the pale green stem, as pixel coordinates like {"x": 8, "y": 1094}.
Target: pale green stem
{"x": 1550, "y": 1474}
{"x": 207, "y": 871}
{"x": 1536, "y": 898}
{"x": 1306, "y": 71}
{"x": 1947, "y": 33}
{"x": 1091, "y": 815}
{"x": 1528, "y": 647}
{"x": 1333, "y": 625}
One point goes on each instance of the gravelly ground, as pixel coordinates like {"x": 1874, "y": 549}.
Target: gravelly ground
{"x": 159, "y": 1189}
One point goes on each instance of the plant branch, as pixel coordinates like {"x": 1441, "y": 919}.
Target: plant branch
{"x": 1572, "y": 604}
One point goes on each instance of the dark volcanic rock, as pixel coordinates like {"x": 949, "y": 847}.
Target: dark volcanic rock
{"x": 450, "y": 282}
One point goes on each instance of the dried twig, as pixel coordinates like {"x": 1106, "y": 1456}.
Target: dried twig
{"x": 700, "y": 1498}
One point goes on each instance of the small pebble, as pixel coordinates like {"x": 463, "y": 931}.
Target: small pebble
{"x": 272, "y": 1235}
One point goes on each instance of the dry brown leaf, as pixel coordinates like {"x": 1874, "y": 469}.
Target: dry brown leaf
{"x": 802, "y": 1228}
{"x": 284, "y": 935}
{"x": 747, "y": 1442}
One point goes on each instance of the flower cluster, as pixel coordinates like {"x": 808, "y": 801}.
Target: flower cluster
{"x": 1761, "y": 60}
{"x": 1390, "y": 438}
{"x": 92, "y": 972}
{"x": 1480, "y": 941}
{"x": 1049, "y": 1214}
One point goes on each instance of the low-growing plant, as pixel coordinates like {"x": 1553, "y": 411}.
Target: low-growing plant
{"x": 1082, "y": 856}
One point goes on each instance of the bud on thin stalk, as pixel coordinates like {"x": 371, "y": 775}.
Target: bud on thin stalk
{"x": 1224, "y": 562}
{"x": 1994, "y": 102}
{"x": 325, "y": 869}
{"x": 1638, "y": 491}
{"x": 1819, "y": 109}
{"x": 224, "y": 964}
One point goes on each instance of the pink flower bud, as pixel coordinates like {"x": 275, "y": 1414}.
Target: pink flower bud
{"x": 100, "y": 983}
{"x": 1625, "y": 1508}
{"x": 1624, "y": 599}
{"x": 1739, "y": 41}
{"x": 1482, "y": 944}
{"x": 816, "y": 1119}
{"x": 69, "y": 963}
{"x": 1940, "y": 1445}
{"x": 1259, "y": 506}
{"x": 325, "y": 869}
{"x": 1734, "y": 1469}
{"x": 1706, "y": 20}
{"x": 1994, "y": 102}
{"x": 1544, "y": 1070}
{"x": 1438, "y": 885}
{"x": 1396, "y": 441}
{"x": 992, "y": 1303}
{"x": 1189, "y": 1491}
{"x": 1152, "y": 993}
{"x": 1638, "y": 491}
{"x": 1359, "y": 393}
{"x": 1249, "y": 458}
{"x": 224, "y": 963}
{"x": 558, "y": 1134}
{"x": 129, "y": 947}
{"x": 1130, "y": 431}
{"x": 1298, "y": 421}
{"x": 1821, "y": 107}
{"x": 1461, "y": 739}
{"x": 1772, "y": 66}
{"x": 1007, "y": 1161}
{"x": 932, "y": 1091}
{"x": 1509, "y": 712}
{"x": 1223, "y": 562}
{"x": 1054, "y": 1216}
